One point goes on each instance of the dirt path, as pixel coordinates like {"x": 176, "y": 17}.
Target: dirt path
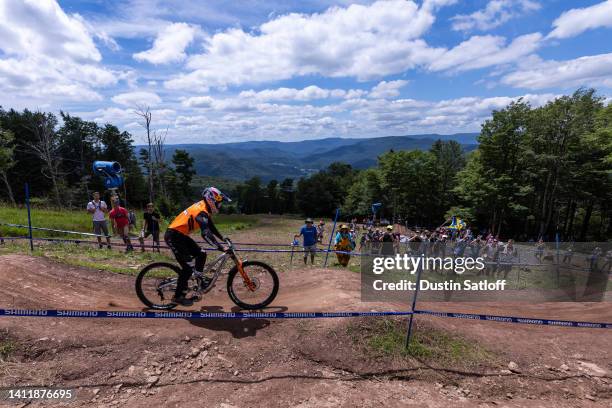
{"x": 304, "y": 363}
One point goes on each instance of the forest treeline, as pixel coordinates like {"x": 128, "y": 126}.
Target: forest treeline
{"x": 536, "y": 172}
{"x": 56, "y": 160}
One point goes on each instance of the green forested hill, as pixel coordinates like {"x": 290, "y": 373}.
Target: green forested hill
{"x": 271, "y": 159}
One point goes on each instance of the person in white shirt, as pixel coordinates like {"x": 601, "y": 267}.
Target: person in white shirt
{"x": 98, "y": 209}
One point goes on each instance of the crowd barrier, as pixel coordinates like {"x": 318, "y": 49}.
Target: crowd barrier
{"x": 293, "y": 249}
{"x": 515, "y": 319}
{"x": 125, "y": 314}
{"x": 280, "y": 315}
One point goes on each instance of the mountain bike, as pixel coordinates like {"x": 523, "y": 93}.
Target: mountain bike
{"x": 250, "y": 284}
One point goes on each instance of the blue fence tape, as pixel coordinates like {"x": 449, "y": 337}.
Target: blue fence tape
{"x": 514, "y": 319}
{"x": 186, "y": 315}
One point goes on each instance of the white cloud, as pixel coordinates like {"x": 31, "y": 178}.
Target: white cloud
{"x": 336, "y": 43}
{"x": 40, "y": 27}
{"x": 486, "y": 51}
{"x": 386, "y": 89}
{"x": 170, "y": 44}
{"x": 576, "y": 21}
{"x": 591, "y": 70}
{"x": 496, "y": 13}
{"x": 228, "y": 120}
{"x": 308, "y": 93}
{"x": 198, "y": 102}
{"x": 137, "y": 98}
{"x": 48, "y": 54}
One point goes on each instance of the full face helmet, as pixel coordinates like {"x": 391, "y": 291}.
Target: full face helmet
{"x": 214, "y": 197}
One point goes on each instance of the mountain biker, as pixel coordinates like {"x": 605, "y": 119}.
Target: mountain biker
{"x": 184, "y": 248}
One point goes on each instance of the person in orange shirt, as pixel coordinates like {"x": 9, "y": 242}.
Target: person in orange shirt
{"x": 184, "y": 247}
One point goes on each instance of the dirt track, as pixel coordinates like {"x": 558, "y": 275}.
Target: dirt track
{"x": 256, "y": 362}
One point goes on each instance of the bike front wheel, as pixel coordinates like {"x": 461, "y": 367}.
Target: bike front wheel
{"x": 156, "y": 284}
{"x": 261, "y": 293}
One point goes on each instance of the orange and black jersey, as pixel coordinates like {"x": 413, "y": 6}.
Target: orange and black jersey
{"x": 196, "y": 215}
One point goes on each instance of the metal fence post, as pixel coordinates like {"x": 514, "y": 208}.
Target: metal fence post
{"x": 331, "y": 236}
{"x": 27, "y": 197}
{"x": 414, "y": 300}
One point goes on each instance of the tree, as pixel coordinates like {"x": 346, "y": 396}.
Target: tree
{"x": 144, "y": 112}
{"x": 184, "y": 168}
{"x": 287, "y": 196}
{"x": 47, "y": 147}
{"x": 79, "y": 146}
{"x": 365, "y": 190}
{"x": 498, "y": 183}
{"x": 272, "y": 197}
{"x": 7, "y": 160}
{"x": 323, "y": 192}
{"x": 449, "y": 160}
{"x": 251, "y": 196}
{"x": 410, "y": 183}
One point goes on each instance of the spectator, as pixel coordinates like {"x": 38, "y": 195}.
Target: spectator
{"x": 150, "y": 226}
{"x": 568, "y": 254}
{"x": 309, "y": 234}
{"x": 344, "y": 242}
{"x": 475, "y": 247}
{"x": 132, "y": 219}
{"x": 320, "y": 231}
{"x": 98, "y": 209}
{"x": 120, "y": 219}
{"x": 608, "y": 261}
{"x": 539, "y": 252}
{"x": 594, "y": 258}
{"x": 507, "y": 258}
{"x": 362, "y": 242}
{"x": 387, "y": 242}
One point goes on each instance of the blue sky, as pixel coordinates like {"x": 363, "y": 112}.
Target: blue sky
{"x": 217, "y": 71}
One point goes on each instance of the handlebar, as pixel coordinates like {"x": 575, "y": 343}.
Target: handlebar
{"x": 229, "y": 243}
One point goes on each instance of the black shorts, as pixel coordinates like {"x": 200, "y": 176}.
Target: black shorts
{"x": 183, "y": 247}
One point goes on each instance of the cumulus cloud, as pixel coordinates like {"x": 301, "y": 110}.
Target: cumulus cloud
{"x": 486, "y": 51}
{"x": 579, "y": 20}
{"x": 137, "y": 98}
{"x": 386, "y": 89}
{"x": 42, "y": 28}
{"x": 235, "y": 119}
{"x": 198, "y": 102}
{"x": 496, "y": 13}
{"x": 335, "y": 43}
{"x": 308, "y": 93}
{"x": 48, "y": 54}
{"x": 590, "y": 70}
{"x": 170, "y": 44}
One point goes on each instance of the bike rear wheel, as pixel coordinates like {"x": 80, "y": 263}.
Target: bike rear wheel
{"x": 156, "y": 284}
{"x": 265, "y": 281}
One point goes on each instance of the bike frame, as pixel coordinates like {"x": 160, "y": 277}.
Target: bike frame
{"x": 218, "y": 264}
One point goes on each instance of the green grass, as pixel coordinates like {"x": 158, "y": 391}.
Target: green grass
{"x": 80, "y": 221}
{"x": 387, "y": 338}
{"x": 90, "y": 256}
{"x": 6, "y": 348}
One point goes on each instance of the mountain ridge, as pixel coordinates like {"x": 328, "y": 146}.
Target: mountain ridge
{"x": 243, "y": 160}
